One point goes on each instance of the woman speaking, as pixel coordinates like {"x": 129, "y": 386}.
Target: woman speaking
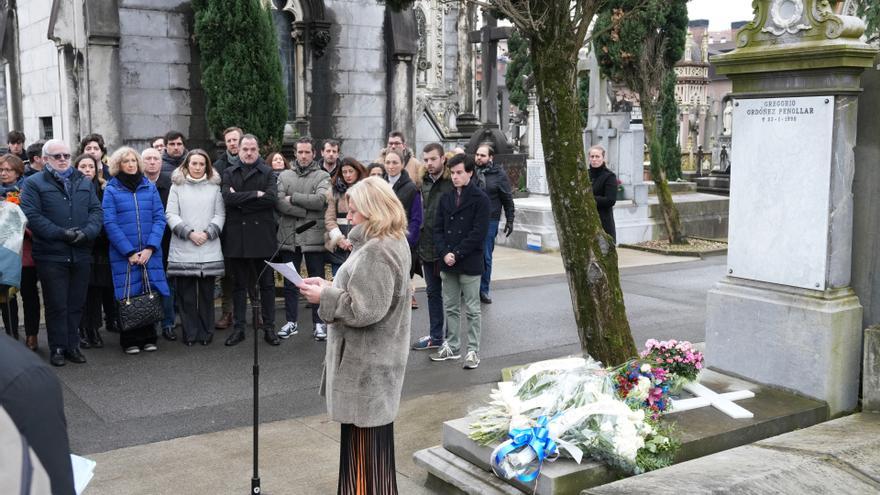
{"x": 368, "y": 311}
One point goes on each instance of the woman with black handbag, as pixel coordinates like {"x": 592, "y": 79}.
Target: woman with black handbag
{"x": 336, "y": 224}
{"x": 135, "y": 221}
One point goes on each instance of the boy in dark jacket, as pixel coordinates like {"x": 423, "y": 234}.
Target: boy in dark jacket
{"x": 459, "y": 236}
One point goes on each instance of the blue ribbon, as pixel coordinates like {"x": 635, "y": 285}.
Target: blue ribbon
{"x": 536, "y": 438}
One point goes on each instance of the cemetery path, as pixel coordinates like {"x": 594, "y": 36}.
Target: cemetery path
{"x": 117, "y": 400}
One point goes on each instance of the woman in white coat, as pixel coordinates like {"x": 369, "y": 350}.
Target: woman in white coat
{"x": 195, "y": 215}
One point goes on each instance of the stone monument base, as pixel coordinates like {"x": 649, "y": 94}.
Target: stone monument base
{"x": 702, "y": 215}
{"x": 802, "y": 340}
{"x": 464, "y": 464}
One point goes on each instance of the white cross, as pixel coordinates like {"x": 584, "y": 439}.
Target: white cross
{"x": 723, "y": 402}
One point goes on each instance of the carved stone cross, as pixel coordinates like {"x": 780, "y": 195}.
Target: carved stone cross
{"x": 704, "y": 397}
{"x": 605, "y": 132}
{"x": 488, "y": 38}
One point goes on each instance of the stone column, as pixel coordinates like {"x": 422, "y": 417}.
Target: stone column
{"x": 105, "y": 97}
{"x": 401, "y": 95}
{"x": 786, "y": 315}
{"x": 302, "y": 121}
{"x": 402, "y": 40}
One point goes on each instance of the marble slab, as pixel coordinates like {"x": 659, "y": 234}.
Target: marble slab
{"x": 780, "y": 187}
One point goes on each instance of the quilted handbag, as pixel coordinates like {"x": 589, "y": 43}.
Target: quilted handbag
{"x": 139, "y": 311}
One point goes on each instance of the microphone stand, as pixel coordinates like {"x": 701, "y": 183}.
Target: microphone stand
{"x": 256, "y": 307}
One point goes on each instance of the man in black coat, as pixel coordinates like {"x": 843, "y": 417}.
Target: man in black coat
{"x": 459, "y": 235}
{"x": 493, "y": 180}
{"x": 249, "y": 191}
{"x": 31, "y": 395}
{"x": 153, "y": 172}
{"x": 231, "y": 137}
{"x": 65, "y": 217}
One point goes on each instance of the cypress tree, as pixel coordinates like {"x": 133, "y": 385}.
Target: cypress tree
{"x": 519, "y": 71}
{"x": 638, "y": 43}
{"x": 241, "y": 68}
{"x": 669, "y": 128}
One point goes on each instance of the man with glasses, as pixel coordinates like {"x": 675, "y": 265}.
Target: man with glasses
{"x": 65, "y": 217}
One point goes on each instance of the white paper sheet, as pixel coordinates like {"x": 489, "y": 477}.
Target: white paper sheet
{"x": 288, "y": 271}
{"x": 83, "y": 471}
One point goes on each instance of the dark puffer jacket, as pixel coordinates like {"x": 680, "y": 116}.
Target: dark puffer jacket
{"x": 50, "y": 211}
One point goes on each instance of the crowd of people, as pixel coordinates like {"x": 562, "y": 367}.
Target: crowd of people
{"x": 104, "y": 227}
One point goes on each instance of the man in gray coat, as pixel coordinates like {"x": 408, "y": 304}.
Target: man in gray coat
{"x": 302, "y": 197}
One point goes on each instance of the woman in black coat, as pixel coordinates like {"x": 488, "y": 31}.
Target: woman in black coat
{"x": 604, "y": 189}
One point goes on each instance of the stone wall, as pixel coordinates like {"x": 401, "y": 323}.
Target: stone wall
{"x": 39, "y": 70}
{"x": 348, "y": 98}
{"x": 159, "y": 72}
{"x": 866, "y": 200}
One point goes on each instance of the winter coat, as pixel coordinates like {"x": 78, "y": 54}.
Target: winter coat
{"x": 494, "y": 181}
{"x": 408, "y": 194}
{"x": 50, "y": 211}
{"x": 224, "y": 161}
{"x": 432, "y": 191}
{"x": 307, "y": 189}
{"x": 250, "y": 220}
{"x": 605, "y": 191}
{"x": 462, "y": 229}
{"x": 335, "y": 222}
{"x": 134, "y": 221}
{"x": 413, "y": 166}
{"x": 195, "y": 206}
{"x": 368, "y": 309}
{"x": 163, "y": 185}
{"x": 170, "y": 163}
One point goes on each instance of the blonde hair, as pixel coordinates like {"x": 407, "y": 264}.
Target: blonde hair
{"x": 118, "y": 155}
{"x": 597, "y": 147}
{"x": 376, "y": 201}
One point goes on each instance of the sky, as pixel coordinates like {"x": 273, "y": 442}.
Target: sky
{"x": 720, "y": 12}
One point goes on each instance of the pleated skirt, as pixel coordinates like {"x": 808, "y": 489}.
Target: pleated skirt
{"x": 366, "y": 461}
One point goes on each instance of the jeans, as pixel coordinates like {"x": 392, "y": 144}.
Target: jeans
{"x": 244, "y": 273}
{"x": 488, "y": 248}
{"x": 434, "y": 290}
{"x": 315, "y": 268}
{"x": 458, "y": 287}
{"x": 65, "y": 286}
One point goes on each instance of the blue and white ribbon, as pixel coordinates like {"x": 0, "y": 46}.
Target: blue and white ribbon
{"x": 537, "y": 439}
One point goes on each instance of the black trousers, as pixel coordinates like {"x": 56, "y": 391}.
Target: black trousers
{"x": 138, "y": 337}
{"x": 98, "y": 297}
{"x": 195, "y": 299}
{"x": 244, "y": 273}
{"x": 30, "y": 299}
{"x": 65, "y": 286}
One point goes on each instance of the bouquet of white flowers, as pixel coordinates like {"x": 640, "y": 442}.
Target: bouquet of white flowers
{"x": 567, "y": 407}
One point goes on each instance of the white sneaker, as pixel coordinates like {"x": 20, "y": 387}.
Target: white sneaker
{"x": 132, "y": 350}
{"x": 445, "y": 353}
{"x": 320, "y": 331}
{"x": 150, "y": 348}
{"x": 289, "y": 328}
{"x": 471, "y": 361}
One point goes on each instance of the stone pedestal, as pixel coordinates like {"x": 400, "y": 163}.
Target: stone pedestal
{"x": 786, "y": 314}
{"x": 871, "y": 370}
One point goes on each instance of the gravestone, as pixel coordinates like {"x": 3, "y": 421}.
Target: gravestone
{"x": 786, "y": 315}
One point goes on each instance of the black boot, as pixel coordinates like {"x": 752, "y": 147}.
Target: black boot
{"x": 271, "y": 337}
{"x": 95, "y": 338}
{"x": 235, "y": 338}
{"x": 84, "y": 341}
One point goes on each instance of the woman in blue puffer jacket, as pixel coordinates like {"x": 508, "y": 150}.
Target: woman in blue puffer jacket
{"x": 134, "y": 220}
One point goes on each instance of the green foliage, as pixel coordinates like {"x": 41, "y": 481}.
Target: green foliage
{"x": 584, "y": 97}
{"x": 241, "y": 68}
{"x": 870, "y": 11}
{"x": 668, "y": 133}
{"x": 637, "y": 41}
{"x": 519, "y": 71}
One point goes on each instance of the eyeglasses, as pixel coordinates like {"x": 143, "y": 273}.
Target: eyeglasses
{"x": 60, "y": 156}
{"x": 5, "y": 170}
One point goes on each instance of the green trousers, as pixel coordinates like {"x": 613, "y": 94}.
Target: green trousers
{"x": 458, "y": 287}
